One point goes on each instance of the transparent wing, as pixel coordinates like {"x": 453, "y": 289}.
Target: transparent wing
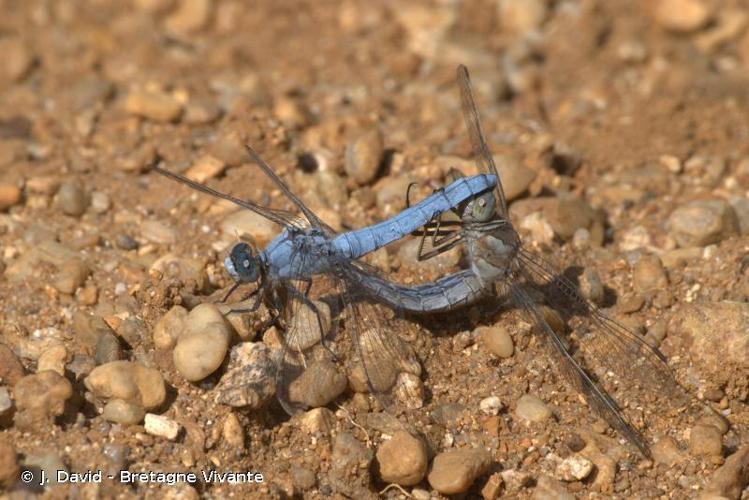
{"x": 308, "y": 213}
{"x": 613, "y": 347}
{"x": 569, "y": 367}
{"x": 478, "y": 140}
{"x": 280, "y": 217}
{"x": 308, "y": 339}
{"x": 390, "y": 366}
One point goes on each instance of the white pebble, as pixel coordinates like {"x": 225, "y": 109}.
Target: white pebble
{"x": 490, "y": 405}
{"x": 159, "y": 425}
{"x": 574, "y": 468}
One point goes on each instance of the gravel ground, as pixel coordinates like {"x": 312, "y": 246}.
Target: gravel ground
{"x": 621, "y": 129}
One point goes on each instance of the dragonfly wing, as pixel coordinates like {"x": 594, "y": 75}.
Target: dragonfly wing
{"x": 570, "y": 368}
{"x": 309, "y": 333}
{"x": 313, "y": 219}
{"x": 614, "y": 347}
{"x": 390, "y": 365}
{"x": 280, "y": 217}
{"x": 478, "y": 139}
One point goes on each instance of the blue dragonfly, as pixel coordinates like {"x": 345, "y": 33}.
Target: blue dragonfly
{"x": 307, "y": 256}
{"x": 499, "y": 264}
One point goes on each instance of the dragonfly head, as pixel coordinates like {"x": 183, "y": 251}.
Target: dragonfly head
{"x": 242, "y": 264}
{"x": 480, "y": 209}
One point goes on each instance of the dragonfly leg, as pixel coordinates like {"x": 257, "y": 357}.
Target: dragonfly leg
{"x": 273, "y": 320}
{"x": 454, "y": 239}
{"x": 255, "y": 305}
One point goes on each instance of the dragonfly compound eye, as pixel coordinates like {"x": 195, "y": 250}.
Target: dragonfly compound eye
{"x": 482, "y": 208}
{"x": 242, "y": 264}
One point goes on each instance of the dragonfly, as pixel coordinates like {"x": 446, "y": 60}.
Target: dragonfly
{"x": 309, "y": 256}
{"x": 499, "y": 265}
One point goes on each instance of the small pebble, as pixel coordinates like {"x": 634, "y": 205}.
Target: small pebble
{"x": 203, "y": 345}
{"x": 402, "y": 460}
{"x": 190, "y": 16}
{"x": 539, "y": 228}
{"x": 389, "y": 194}
{"x": 420, "y": 494}
{"x": 72, "y": 275}
{"x": 39, "y": 398}
{"x": 11, "y": 369}
{"x": 250, "y": 379}
{"x": 10, "y": 195}
{"x": 71, "y": 199}
{"x": 730, "y": 479}
{"x": 455, "y": 471}
{"x": 317, "y": 420}
{"x": 630, "y": 302}
{"x": 532, "y": 409}
{"x": 490, "y": 405}
{"x": 53, "y": 359}
{"x": 363, "y": 157}
{"x": 591, "y": 285}
{"x": 409, "y": 390}
{"x": 700, "y": 223}
{"x": 521, "y": 16}
{"x": 706, "y": 440}
{"x": 201, "y": 112}
{"x": 715, "y": 419}
{"x": 17, "y": 59}
{"x": 206, "y": 167}
{"x": 715, "y": 335}
{"x": 129, "y": 381}
{"x": 89, "y": 329}
{"x": 302, "y": 478}
{"x": 291, "y": 112}
{"x": 159, "y": 425}
{"x": 125, "y": 242}
{"x": 350, "y": 455}
{"x": 515, "y": 176}
{"x": 6, "y": 406}
{"x": 649, "y": 274}
{"x": 153, "y": 105}
{"x": 232, "y": 432}
{"x": 43, "y": 184}
{"x": 548, "y": 488}
{"x": 168, "y": 328}
{"x": 574, "y": 468}
{"x": 9, "y": 468}
{"x": 666, "y": 451}
{"x": 188, "y": 271}
{"x": 497, "y": 340}
{"x": 158, "y": 232}
{"x": 247, "y": 223}
{"x": 123, "y": 412}
{"x": 740, "y": 205}
{"x": 107, "y": 349}
{"x": 319, "y": 384}
{"x": 681, "y": 16}
{"x": 100, "y": 202}
{"x": 229, "y": 147}
{"x": 49, "y": 462}
{"x": 88, "y": 295}
{"x": 492, "y": 488}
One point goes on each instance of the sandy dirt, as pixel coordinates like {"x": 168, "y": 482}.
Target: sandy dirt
{"x": 637, "y": 109}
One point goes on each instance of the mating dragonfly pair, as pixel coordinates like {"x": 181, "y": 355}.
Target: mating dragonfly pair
{"x": 309, "y": 255}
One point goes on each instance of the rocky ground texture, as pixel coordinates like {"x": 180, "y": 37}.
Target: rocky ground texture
{"x": 621, "y": 129}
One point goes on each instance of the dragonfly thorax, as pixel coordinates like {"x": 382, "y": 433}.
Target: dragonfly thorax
{"x": 242, "y": 264}
{"x": 492, "y": 253}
